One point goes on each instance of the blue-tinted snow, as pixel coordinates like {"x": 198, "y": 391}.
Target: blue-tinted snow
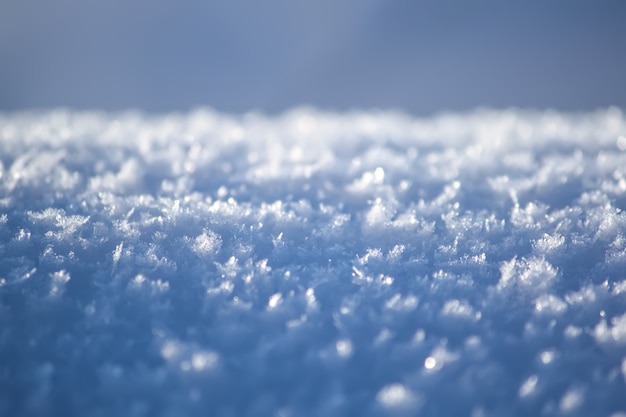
{"x": 313, "y": 264}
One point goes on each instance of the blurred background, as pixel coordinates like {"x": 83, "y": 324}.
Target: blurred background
{"x": 421, "y": 56}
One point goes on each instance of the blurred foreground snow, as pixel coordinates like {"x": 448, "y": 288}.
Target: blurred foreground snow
{"x": 313, "y": 264}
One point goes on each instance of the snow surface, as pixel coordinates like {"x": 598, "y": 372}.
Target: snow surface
{"x": 313, "y": 264}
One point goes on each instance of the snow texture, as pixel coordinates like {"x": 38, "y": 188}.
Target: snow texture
{"x": 313, "y": 264}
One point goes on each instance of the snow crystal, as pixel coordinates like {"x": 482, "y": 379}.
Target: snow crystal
{"x": 528, "y": 387}
{"x": 395, "y": 395}
{"x": 571, "y": 400}
{"x": 344, "y": 348}
{"x": 365, "y": 263}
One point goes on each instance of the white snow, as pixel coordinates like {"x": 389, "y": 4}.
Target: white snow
{"x": 365, "y": 263}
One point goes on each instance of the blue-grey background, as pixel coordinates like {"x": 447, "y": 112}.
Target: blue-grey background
{"x": 421, "y": 56}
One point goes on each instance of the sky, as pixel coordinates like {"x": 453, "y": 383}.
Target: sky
{"x": 421, "y": 56}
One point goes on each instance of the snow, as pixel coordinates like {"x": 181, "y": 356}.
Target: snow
{"x": 313, "y": 263}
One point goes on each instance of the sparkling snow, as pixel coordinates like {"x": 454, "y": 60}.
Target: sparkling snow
{"x": 313, "y": 264}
